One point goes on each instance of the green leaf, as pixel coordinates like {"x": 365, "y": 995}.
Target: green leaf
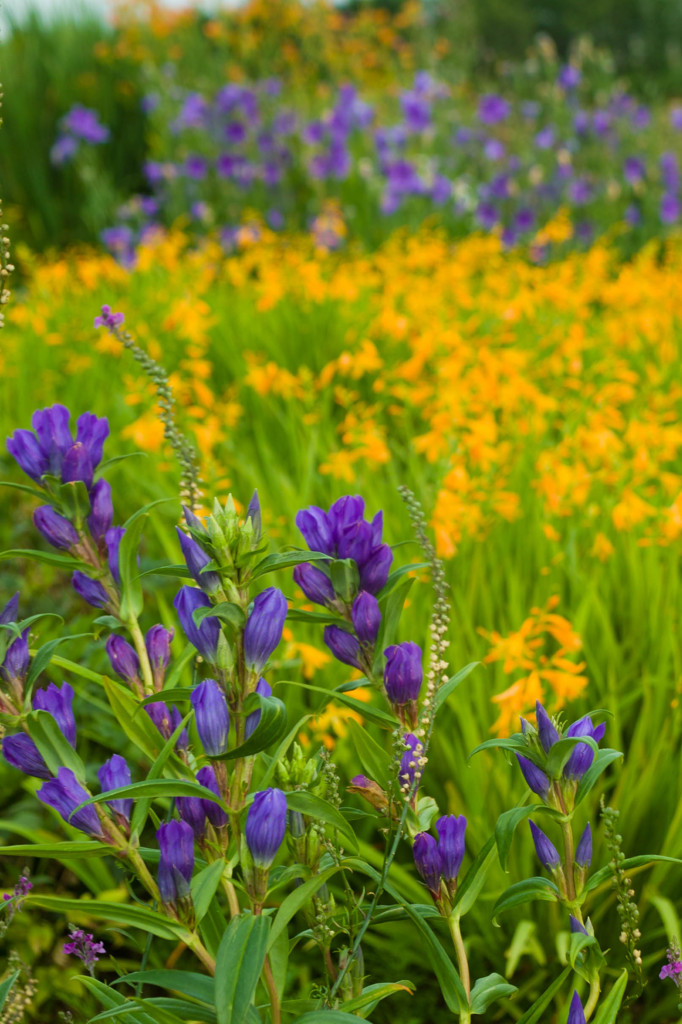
{"x": 47, "y": 557}
{"x": 609, "y": 1007}
{"x": 601, "y": 762}
{"x": 318, "y": 618}
{"x": 391, "y": 610}
{"x": 284, "y": 560}
{"x": 231, "y": 614}
{"x": 238, "y": 966}
{"x": 6, "y": 986}
{"x": 152, "y": 1012}
{"x": 110, "y": 998}
{"x": 372, "y": 714}
{"x": 179, "y": 571}
{"x": 43, "y": 656}
{"x": 292, "y": 903}
{"x": 80, "y": 848}
{"x": 119, "y": 458}
{"x": 506, "y": 826}
{"x": 192, "y": 984}
{"x": 525, "y": 892}
{"x": 177, "y": 695}
{"x": 453, "y": 682}
{"x": 131, "y": 588}
{"x": 75, "y": 501}
{"x": 136, "y": 916}
{"x": 488, "y": 990}
{"x": 24, "y": 487}
{"x": 141, "y": 811}
{"x": 272, "y": 724}
{"x": 604, "y": 874}
{"x": 185, "y": 1010}
{"x": 373, "y": 758}
{"x": 562, "y": 750}
{"x": 536, "y": 1011}
{"x": 327, "y": 1017}
{"x": 472, "y": 883}
{"x": 321, "y": 810}
{"x": 345, "y": 578}
{"x": 138, "y": 728}
{"x": 398, "y": 574}
{"x": 577, "y": 943}
{"x": 53, "y": 744}
{"x": 515, "y": 742}
{"x": 204, "y": 886}
{"x": 167, "y": 788}
{"x": 372, "y": 995}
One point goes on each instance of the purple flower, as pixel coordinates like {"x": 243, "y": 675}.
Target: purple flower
{"x": 576, "y": 1014}
{"x": 670, "y": 172}
{"x": 676, "y": 118}
{"x": 669, "y": 209}
{"x": 409, "y": 762}
{"x": 90, "y": 590}
{"x": 63, "y": 150}
{"x": 26, "y": 450}
{"x": 196, "y": 559}
{"x": 84, "y": 947}
{"x": 167, "y": 722}
{"x": 493, "y": 150}
{"x": 544, "y": 848}
{"x": 108, "y": 319}
{"x": 114, "y": 774}
{"x": 157, "y": 642}
{"x": 212, "y": 717}
{"x": 112, "y": 539}
{"x": 84, "y": 124}
{"x": 195, "y": 167}
{"x": 547, "y": 732}
{"x": 77, "y": 465}
{"x": 17, "y": 659}
{"x": 216, "y": 815}
{"x": 451, "y": 831}
{"x": 266, "y": 823}
{"x": 21, "y": 752}
{"x": 580, "y": 192}
{"x": 524, "y": 220}
{"x": 634, "y": 170}
{"x": 374, "y": 572}
{"x": 534, "y": 776}
{"x": 191, "y": 810}
{"x": 263, "y": 630}
{"x": 671, "y": 970}
{"x": 314, "y": 583}
{"x": 253, "y": 513}
{"x": 583, "y": 853}
{"x": 58, "y": 703}
{"x": 427, "y": 861}
{"x": 583, "y": 755}
{"x": 545, "y": 138}
{"x": 64, "y": 794}
{"x": 176, "y": 842}
{"x": 123, "y": 658}
{"x": 416, "y": 111}
{"x": 366, "y": 618}
{"x": 344, "y": 646}
{"x": 101, "y": 510}
{"x": 569, "y": 77}
{"x": 487, "y": 216}
{"x": 316, "y": 529}
{"x": 206, "y": 635}
{"x": 492, "y": 109}
{"x": 576, "y": 927}
{"x": 403, "y": 672}
{"x": 265, "y": 690}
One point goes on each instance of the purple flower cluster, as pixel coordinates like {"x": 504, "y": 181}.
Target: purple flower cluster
{"x": 440, "y": 861}
{"x": 83, "y": 946}
{"x": 80, "y": 124}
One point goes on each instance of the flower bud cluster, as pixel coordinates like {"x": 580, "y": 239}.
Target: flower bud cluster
{"x": 439, "y": 861}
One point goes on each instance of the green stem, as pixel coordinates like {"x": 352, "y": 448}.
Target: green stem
{"x": 196, "y": 945}
{"x": 141, "y": 648}
{"x": 568, "y": 860}
{"x": 595, "y": 990}
{"x": 462, "y": 963}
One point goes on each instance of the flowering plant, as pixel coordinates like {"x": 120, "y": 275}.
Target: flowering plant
{"x": 232, "y": 842}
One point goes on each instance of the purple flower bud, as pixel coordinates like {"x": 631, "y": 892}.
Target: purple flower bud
{"x": 21, "y": 752}
{"x": 534, "y": 776}
{"x": 52, "y": 427}
{"x": 157, "y": 642}
{"x": 216, "y": 815}
{"x": 64, "y": 794}
{"x": 25, "y": 449}
{"x": 409, "y": 760}
{"x": 183, "y": 739}
{"x": 206, "y": 635}
{"x": 576, "y": 1014}
{"x": 77, "y": 465}
{"x": 101, "y": 510}
{"x": 90, "y": 590}
{"x": 253, "y": 513}
{"x": 583, "y": 853}
{"x": 195, "y": 559}
{"x": 252, "y": 720}
{"x": 56, "y": 530}
{"x": 546, "y": 730}
{"x": 112, "y": 539}
{"x": 176, "y": 842}
{"x": 366, "y": 618}
{"x": 92, "y": 432}
{"x": 167, "y": 722}
{"x": 374, "y": 572}
{"x": 544, "y": 848}
{"x": 403, "y": 672}
{"x": 266, "y": 823}
{"x": 317, "y": 532}
{"x": 427, "y": 861}
{"x": 314, "y": 583}
{"x": 576, "y": 927}
{"x": 17, "y": 658}
{"x": 451, "y": 831}
{"x": 355, "y": 541}
{"x": 193, "y": 522}
{"x": 264, "y": 627}
{"x": 191, "y": 810}
{"x": 344, "y": 646}
{"x": 211, "y": 716}
{"x": 346, "y": 511}
{"x": 10, "y": 612}
{"x": 123, "y": 658}
{"x": 58, "y": 703}
{"x": 582, "y": 756}
{"x": 114, "y": 774}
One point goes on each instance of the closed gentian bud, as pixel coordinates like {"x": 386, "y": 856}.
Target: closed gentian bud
{"x": 370, "y": 791}
{"x": 176, "y": 842}
{"x": 25, "y": 449}
{"x": 546, "y": 730}
{"x": 315, "y": 585}
{"x": 427, "y": 861}
{"x": 195, "y": 559}
{"x": 52, "y": 427}
{"x": 266, "y": 823}
{"x": 90, "y": 590}
{"x": 374, "y": 572}
{"x": 582, "y": 755}
{"x": 206, "y": 635}
{"x": 64, "y": 794}
{"x": 157, "y": 642}
{"x": 317, "y": 533}
{"x": 211, "y": 716}
{"x": 123, "y": 658}
{"x": 92, "y": 431}
{"x": 161, "y": 717}
{"x": 191, "y": 810}
{"x": 114, "y": 774}
{"x": 112, "y": 539}
{"x": 265, "y": 690}
{"x": 366, "y": 618}
{"x": 77, "y": 465}
{"x": 58, "y": 702}
{"x": 409, "y": 762}
{"x": 17, "y": 659}
{"x": 545, "y": 849}
{"x": 583, "y": 853}
{"x": 403, "y": 672}
{"x": 254, "y": 514}
{"x": 264, "y": 627}
{"x": 21, "y": 752}
{"x": 11, "y": 610}
{"x": 182, "y": 741}
{"x": 576, "y": 927}
{"x": 576, "y": 1014}
{"x": 451, "y": 831}
{"x": 215, "y": 814}
{"x": 344, "y": 646}
{"x": 101, "y": 510}
{"x": 56, "y": 530}
{"x": 534, "y": 776}
{"x": 355, "y": 541}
